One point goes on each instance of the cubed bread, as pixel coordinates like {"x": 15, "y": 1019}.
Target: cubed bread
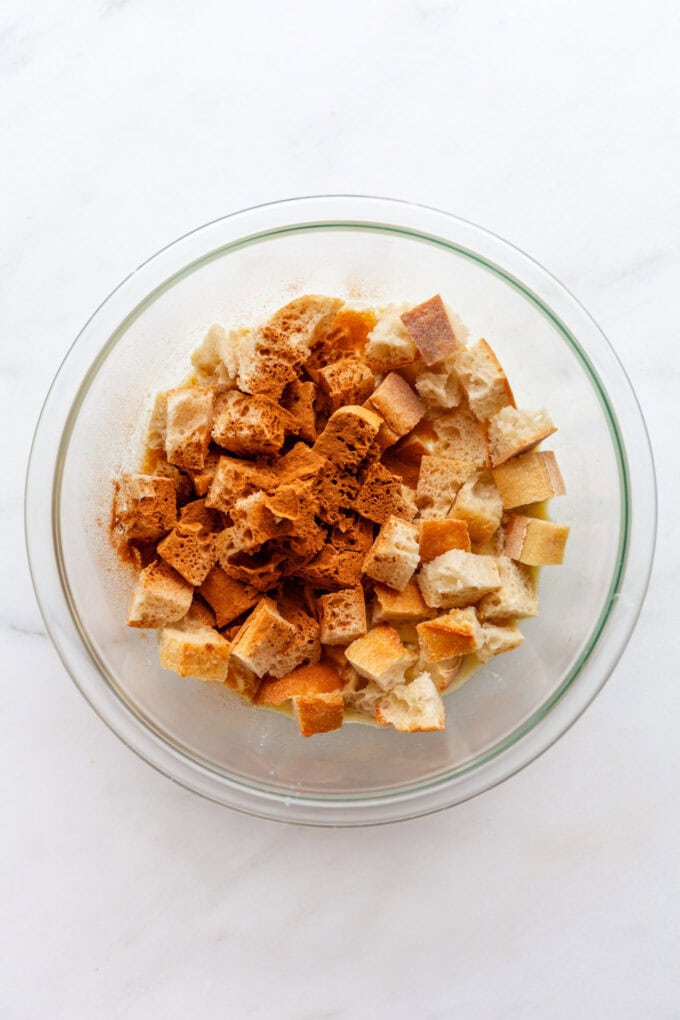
{"x": 345, "y": 335}
{"x": 535, "y": 542}
{"x": 380, "y": 656}
{"x": 254, "y": 522}
{"x": 397, "y": 404}
{"x": 457, "y": 578}
{"x": 430, "y": 329}
{"x": 455, "y": 633}
{"x": 498, "y": 639}
{"x": 196, "y": 512}
{"x": 319, "y": 713}
{"x": 529, "y": 478}
{"x": 440, "y": 387}
{"x": 190, "y": 549}
{"x": 161, "y": 596}
{"x": 353, "y": 534}
{"x": 437, "y": 537}
{"x": 227, "y": 597}
{"x": 406, "y": 471}
{"x": 335, "y": 490}
{"x": 483, "y": 379}
{"x": 304, "y": 648}
{"x": 262, "y": 638}
{"x": 342, "y": 616}
{"x": 359, "y": 694}
{"x": 382, "y": 495}
{"x": 512, "y": 431}
{"x": 414, "y": 707}
{"x": 305, "y": 681}
{"x": 234, "y": 479}
{"x": 155, "y": 436}
{"x": 215, "y": 360}
{"x": 198, "y": 616}
{"x": 348, "y": 435}
{"x": 301, "y": 463}
{"x": 298, "y": 399}
{"x": 478, "y": 502}
{"x": 188, "y": 425}
{"x": 262, "y": 570}
{"x": 516, "y": 598}
{"x": 389, "y": 344}
{"x": 421, "y": 441}
{"x": 203, "y": 478}
{"x": 145, "y": 506}
{"x": 394, "y": 556}
{"x": 242, "y": 679}
{"x": 400, "y": 606}
{"x": 446, "y": 674}
{"x": 332, "y": 569}
{"x": 439, "y": 480}
{"x": 347, "y": 381}
{"x": 249, "y": 425}
{"x": 275, "y": 352}
{"x": 462, "y": 436}
{"x": 201, "y": 653}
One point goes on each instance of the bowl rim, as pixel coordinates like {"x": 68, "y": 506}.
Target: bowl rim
{"x": 631, "y": 443}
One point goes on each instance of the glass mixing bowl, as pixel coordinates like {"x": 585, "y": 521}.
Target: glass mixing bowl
{"x": 369, "y": 251}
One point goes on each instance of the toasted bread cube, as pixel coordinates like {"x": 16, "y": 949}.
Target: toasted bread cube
{"x": 305, "y": 681}
{"x": 421, "y": 441}
{"x": 301, "y": 463}
{"x": 188, "y": 426}
{"x": 456, "y": 633}
{"x": 197, "y": 512}
{"x": 227, "y": 597}
{"x": 394, "y": 556}
{"x": 397, "y": 404}
{"x": 479, "y": 503}
{"x": 261, "y": 570}
{"x": 203, "y": 478}
{"x": 457, "y": 578}
{"x": 383, "y": 495}
{"x": 440, "y": 387}
{"x": 242, "y": 679}
{"x": 446, "y": 673}
{"x": 145, "y": 506}
{"x": 161, "y": 596}
{"x": 461, "y": 436}
{"x": 498, "y": 639}
{"x": 255, "y": 522}
{"x": 319, "y": 713}
{"x": 304, "y": 646}
{"x": 298, "y": 399}
{"x": 343, "y": 616}
{"x": 415, "y": 707}
{"x": 347, "y": 381}
{"x": 511, "y": 432}
{"x": 535, "y": 542}
{"x": 235, "y": 479}
{"x": 201, "y": 653}
{"x": 198, "y": 616}
{"x": 348, "y": 435}
{"x": 216, "y": 357}
{"x": 262, "y": 638}
{"x": 353, "y": 533}
{"x": 332, "y": 569}
{"x": 483, "y": 379}
{"x": 249, "y": 424}
{"x": 430, "y": 329}
{"x": 529, "y": 478}
{"x": 400, "y": 606}
{"x": 516, "y": 597}
{"x": 190, "y": 549}
{"x": 273, "y": 354}
{"x": 380, "y": 656}
{"x": 439, "y": 480}
{"x": 406, "y": 471}
{"x": 437, "y": 537}
{"x": 389, "y": 345}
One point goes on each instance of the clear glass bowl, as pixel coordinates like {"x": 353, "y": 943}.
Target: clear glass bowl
{"x": 370, "y": 251}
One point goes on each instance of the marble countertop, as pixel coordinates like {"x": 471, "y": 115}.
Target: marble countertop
{"x": 127, "y": 123}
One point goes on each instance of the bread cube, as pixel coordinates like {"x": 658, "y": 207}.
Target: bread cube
{"x": 437, "y": 537}
{"x": 400, "y": 606}
{"x": 235, "y": 479}
{"x": 516, "y": 597}
{"x": 216, "y": 357}
{"x": 414, "y": 707}
{"x": 395, "y": 554}
{"x": 161, "y": 596}
{"x": 343, "y": 616}
{"x": 190, "y": 549}
{"x": 498, "y": 639}
{"x": 457, "y": 579}
{"x": 478, "y": 502}
{"x": 347, "y": 381}
{"x": 319, "y": 713}
{"x": 249, "y": 424}
{"x": 455, "y": 633}
{"x": 529, "y": 478}
{"x": 304, "y": 646}
{"x": 430, "y": 329}
{"x": 298, "y": 399}
{"x": 380, "y": 656}
{"x": 389, "y": 344}
{"x": 145, "y": 506}
{"x": 397, "y": 404}
{"x": 439, "y": 480}
{"x": 188, "y": 425}
{"x": 535, "y": 542}
{"x": 348, "y": 435}
{"x": 440, "y": 387}
{"x": 483, "y": 379}
{"x": 202, "y": 653}
{"x": 301, "y": 463}
{"x": 511, "y": 432}
{"x": 461, "y": 436}
{"x": 262, "y": 638}
{"x": 305, "y": 681}
{"x": 383, "y": 495}
{"x": 227, "y": 597}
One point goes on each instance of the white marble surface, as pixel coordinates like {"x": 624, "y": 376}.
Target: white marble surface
{"x": 127, "y": 122}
